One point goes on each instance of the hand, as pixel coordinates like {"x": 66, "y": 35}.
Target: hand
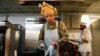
{"x": 59, "y": 40}
{"x": 55, "y": 45}
{"x": 62, "y": 39}
{"x": 42, "y": 45}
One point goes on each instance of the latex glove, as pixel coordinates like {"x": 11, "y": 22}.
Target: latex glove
{"x": 79, "y": 40}
{"x": 42, "y": 46}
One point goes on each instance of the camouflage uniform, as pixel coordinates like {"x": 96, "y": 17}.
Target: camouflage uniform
{"x": 62, "y": 31}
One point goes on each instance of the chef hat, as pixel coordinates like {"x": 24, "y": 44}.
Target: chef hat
{"x": 47, "y": 9}
{"x": 83, "y": 23}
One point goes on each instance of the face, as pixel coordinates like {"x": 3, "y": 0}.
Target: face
{"x": 82, "y": 27}
{"x": 50, "y": 18}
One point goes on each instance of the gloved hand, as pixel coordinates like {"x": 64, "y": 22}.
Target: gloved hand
{"x": 79, "y": 40}
{"x": 42, "y": 46}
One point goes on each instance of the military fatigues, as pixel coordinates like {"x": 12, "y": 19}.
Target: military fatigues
{"x": 62, "y": 30}
{"x": 51, "y": 34}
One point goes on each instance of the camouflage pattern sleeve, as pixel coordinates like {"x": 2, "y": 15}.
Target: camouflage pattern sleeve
{"x": 63, "y": 31}
{"x": 41, "y": 34}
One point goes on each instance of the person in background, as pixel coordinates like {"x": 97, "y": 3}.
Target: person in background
{"x": 52, "y": 31}
{"x": 84, "y": 40}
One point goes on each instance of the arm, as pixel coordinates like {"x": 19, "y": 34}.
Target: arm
{"x": 41, "y": 35}
{"x": 63, "y": 31}
{"x": 87, "y": 36}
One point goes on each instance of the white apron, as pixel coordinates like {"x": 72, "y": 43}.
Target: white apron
{"x": 51, "y": 36}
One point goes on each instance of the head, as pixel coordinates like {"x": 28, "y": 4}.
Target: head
{"x": 48, "y": 12}
{"x": 49, "y": 17}
{"x": 82, "y": 26}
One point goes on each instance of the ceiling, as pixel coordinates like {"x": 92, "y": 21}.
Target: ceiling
{"x": 63, "y": 6}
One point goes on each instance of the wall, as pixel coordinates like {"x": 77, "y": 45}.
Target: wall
{"x": 72, "y": 21}
{"x": 96, "y": 37}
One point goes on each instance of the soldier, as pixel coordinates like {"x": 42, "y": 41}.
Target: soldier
{"x": 52, "y": 31}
